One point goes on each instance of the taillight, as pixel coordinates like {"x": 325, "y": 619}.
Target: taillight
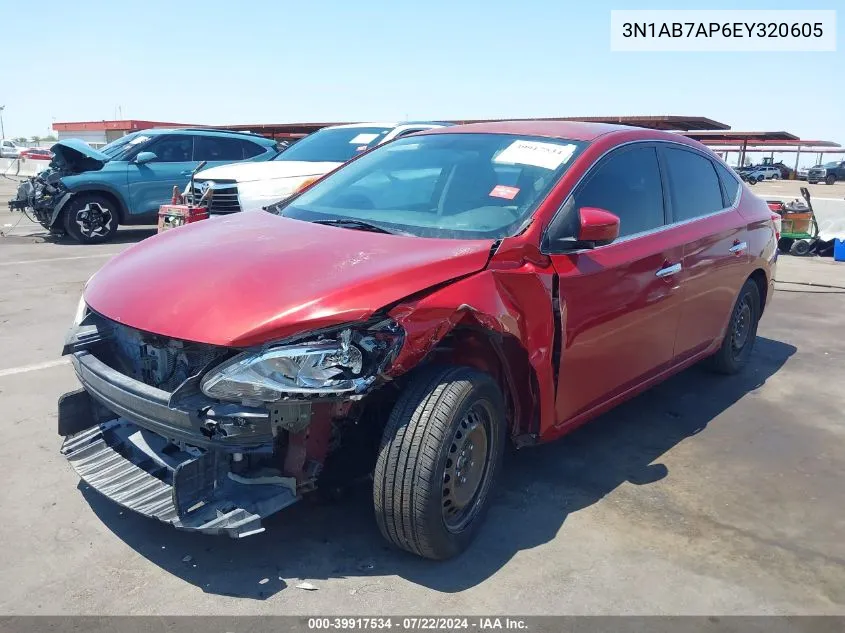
{"x": 776, "y": 219}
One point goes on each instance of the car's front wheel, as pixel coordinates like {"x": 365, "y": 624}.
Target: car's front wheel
{"x": 742, "y": 332}
{"x": 91, "y": 218}
{"x": 439, "y": 457}
{"x": 831, "y": 179}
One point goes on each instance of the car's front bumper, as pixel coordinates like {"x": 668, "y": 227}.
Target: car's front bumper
{"x": 189, "y": 490}
{"x": 175, "y": 461}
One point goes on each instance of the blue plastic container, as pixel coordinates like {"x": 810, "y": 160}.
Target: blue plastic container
{"x": 839, "y": 250}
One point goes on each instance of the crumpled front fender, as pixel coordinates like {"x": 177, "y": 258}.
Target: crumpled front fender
{"x": 515, "y": 303}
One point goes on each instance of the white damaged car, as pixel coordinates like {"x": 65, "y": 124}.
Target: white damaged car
{"x": 250, "y": 187}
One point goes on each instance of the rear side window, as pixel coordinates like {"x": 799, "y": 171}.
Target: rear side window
{"x": 217, "y": 148}
{"x": 251, "y": 149}
{"x": 729, "y": 183}
{"x": 693, "y": 184}
{"x": 628, "y": 185}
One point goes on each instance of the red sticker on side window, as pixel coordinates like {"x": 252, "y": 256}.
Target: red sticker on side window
{"x": 503, "y": 191}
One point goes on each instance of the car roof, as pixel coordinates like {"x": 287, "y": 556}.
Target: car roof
{"x": 155, "y": 131}
{"x": 570, "y": 130}
{"x": 385, "y": 124}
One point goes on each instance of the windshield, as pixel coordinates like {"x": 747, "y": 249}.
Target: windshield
{"x": 457, "y": 186}
{"x": 120, "y": 148}
{"x": 335, "y": 145}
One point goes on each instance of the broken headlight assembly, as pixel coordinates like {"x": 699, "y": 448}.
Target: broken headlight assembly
{"x": 345, "y": 361}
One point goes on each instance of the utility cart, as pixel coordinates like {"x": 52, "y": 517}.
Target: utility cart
{"x": 799, "y": 228}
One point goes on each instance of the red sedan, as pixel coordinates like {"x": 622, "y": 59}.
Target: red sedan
{"x": 405, "y": 317}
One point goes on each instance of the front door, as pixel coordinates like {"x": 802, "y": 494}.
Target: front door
{"x": 151, "y": 184}
{"x": 619, "y": 303}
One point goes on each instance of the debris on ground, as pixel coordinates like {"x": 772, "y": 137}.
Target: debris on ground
{"x": 307, "y": 586}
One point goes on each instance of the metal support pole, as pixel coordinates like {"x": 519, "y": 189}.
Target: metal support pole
{"x": 797, "y": 156}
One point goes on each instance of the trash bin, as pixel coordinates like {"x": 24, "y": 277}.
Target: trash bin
{"x": 839, "y": 250}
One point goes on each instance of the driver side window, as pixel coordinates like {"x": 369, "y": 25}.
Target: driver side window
{"x": 627, "y": 183}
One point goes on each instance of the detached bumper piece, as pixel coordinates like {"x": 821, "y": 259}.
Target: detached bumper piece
{"x": 191, "y": 489}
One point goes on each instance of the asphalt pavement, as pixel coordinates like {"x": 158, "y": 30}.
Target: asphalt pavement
{"x": 705, "y": 495}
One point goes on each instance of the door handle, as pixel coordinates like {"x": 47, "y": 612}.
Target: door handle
{"x": 668, "y": 271}
{"x": 738, "y": 248}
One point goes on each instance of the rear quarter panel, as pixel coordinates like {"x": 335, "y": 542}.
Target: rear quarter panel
{"x": 762, "y": 242}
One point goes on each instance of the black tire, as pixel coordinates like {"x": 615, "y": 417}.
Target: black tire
{"x": 775, "y": 176}
{"x": 831, "y": 179}
{"x": 800, "y": 248}
{"x": 91, "y": 218}
{"x": 420, "y": 503}
{"x": 785, "y": 244}
{"x": 735, "y": 350}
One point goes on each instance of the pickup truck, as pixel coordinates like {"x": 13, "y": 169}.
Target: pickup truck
{"x": 828, "y": 173}
{"x": 10, "y": 149}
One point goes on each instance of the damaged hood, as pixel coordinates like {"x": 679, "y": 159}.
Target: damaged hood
{"x": 268, "y": 170}
{"x": 251, "y": 278}
{"x": 78, "y": 155}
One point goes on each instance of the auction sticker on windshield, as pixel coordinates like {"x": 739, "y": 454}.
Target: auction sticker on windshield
{"x": 535, "y": 154}
{"x": 362, "y": 139}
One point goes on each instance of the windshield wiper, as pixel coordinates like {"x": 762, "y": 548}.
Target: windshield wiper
{"x": 360, "y": 225}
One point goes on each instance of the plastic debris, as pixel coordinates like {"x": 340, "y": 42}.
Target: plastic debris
{"x": 307, "y": 586}
{"x": 187, "y": 559}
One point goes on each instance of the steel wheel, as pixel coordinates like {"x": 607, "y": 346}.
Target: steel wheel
{"x": 741, "y": 325}
{"x": 464, "y": 478}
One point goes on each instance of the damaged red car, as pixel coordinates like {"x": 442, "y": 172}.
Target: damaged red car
{"x": 405, "y": 318}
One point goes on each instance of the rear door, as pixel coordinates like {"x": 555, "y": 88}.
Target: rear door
{"x": 218, "y": 150}
{"x": 619, "y": 304}
{"x": 703, "y": 198}
{"x": 151, "y": 184}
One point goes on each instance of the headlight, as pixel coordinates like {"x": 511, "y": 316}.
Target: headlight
{"x": 347, "y": 361}
{"x": 81, "y": 311}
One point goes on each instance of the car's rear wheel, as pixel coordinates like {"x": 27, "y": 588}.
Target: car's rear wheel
{"x": 91, "y": 218}
{"x": 775, "y": 176}
{"x": 742, "y": 332}
{"x": 831, "y": 179}
{"x": 440, "y": 453}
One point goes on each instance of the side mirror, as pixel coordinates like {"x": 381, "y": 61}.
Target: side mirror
{"x": 144, "y": 157}
{"x": 597, "y": 227}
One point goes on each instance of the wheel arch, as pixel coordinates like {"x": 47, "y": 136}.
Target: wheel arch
{"x": 759, "y": 277}
{"x": 105, "y": 191}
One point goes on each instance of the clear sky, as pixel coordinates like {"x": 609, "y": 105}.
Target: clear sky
{"x": 278, "y": 61}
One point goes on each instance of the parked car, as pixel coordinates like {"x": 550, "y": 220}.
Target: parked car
{"x": 36, "y": 153}
{"x": 802, "y": 172}
{"x": 251, "y": 187}
{"x": 404, "y": 318}
{"x": 762, "y": 172}
{"x": 87, "y": 193}
{"x": 10, "y": 149}
{"x": 828, "y": 173}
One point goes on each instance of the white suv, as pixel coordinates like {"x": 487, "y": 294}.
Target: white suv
{"x": 757, "y": 174}
{"x": 249, "y": 187}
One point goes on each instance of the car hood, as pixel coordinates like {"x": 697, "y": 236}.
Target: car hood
{"x": 251, "y": 278}
{"x": 267, "y": 170}
{"x": 78, "y": 156}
